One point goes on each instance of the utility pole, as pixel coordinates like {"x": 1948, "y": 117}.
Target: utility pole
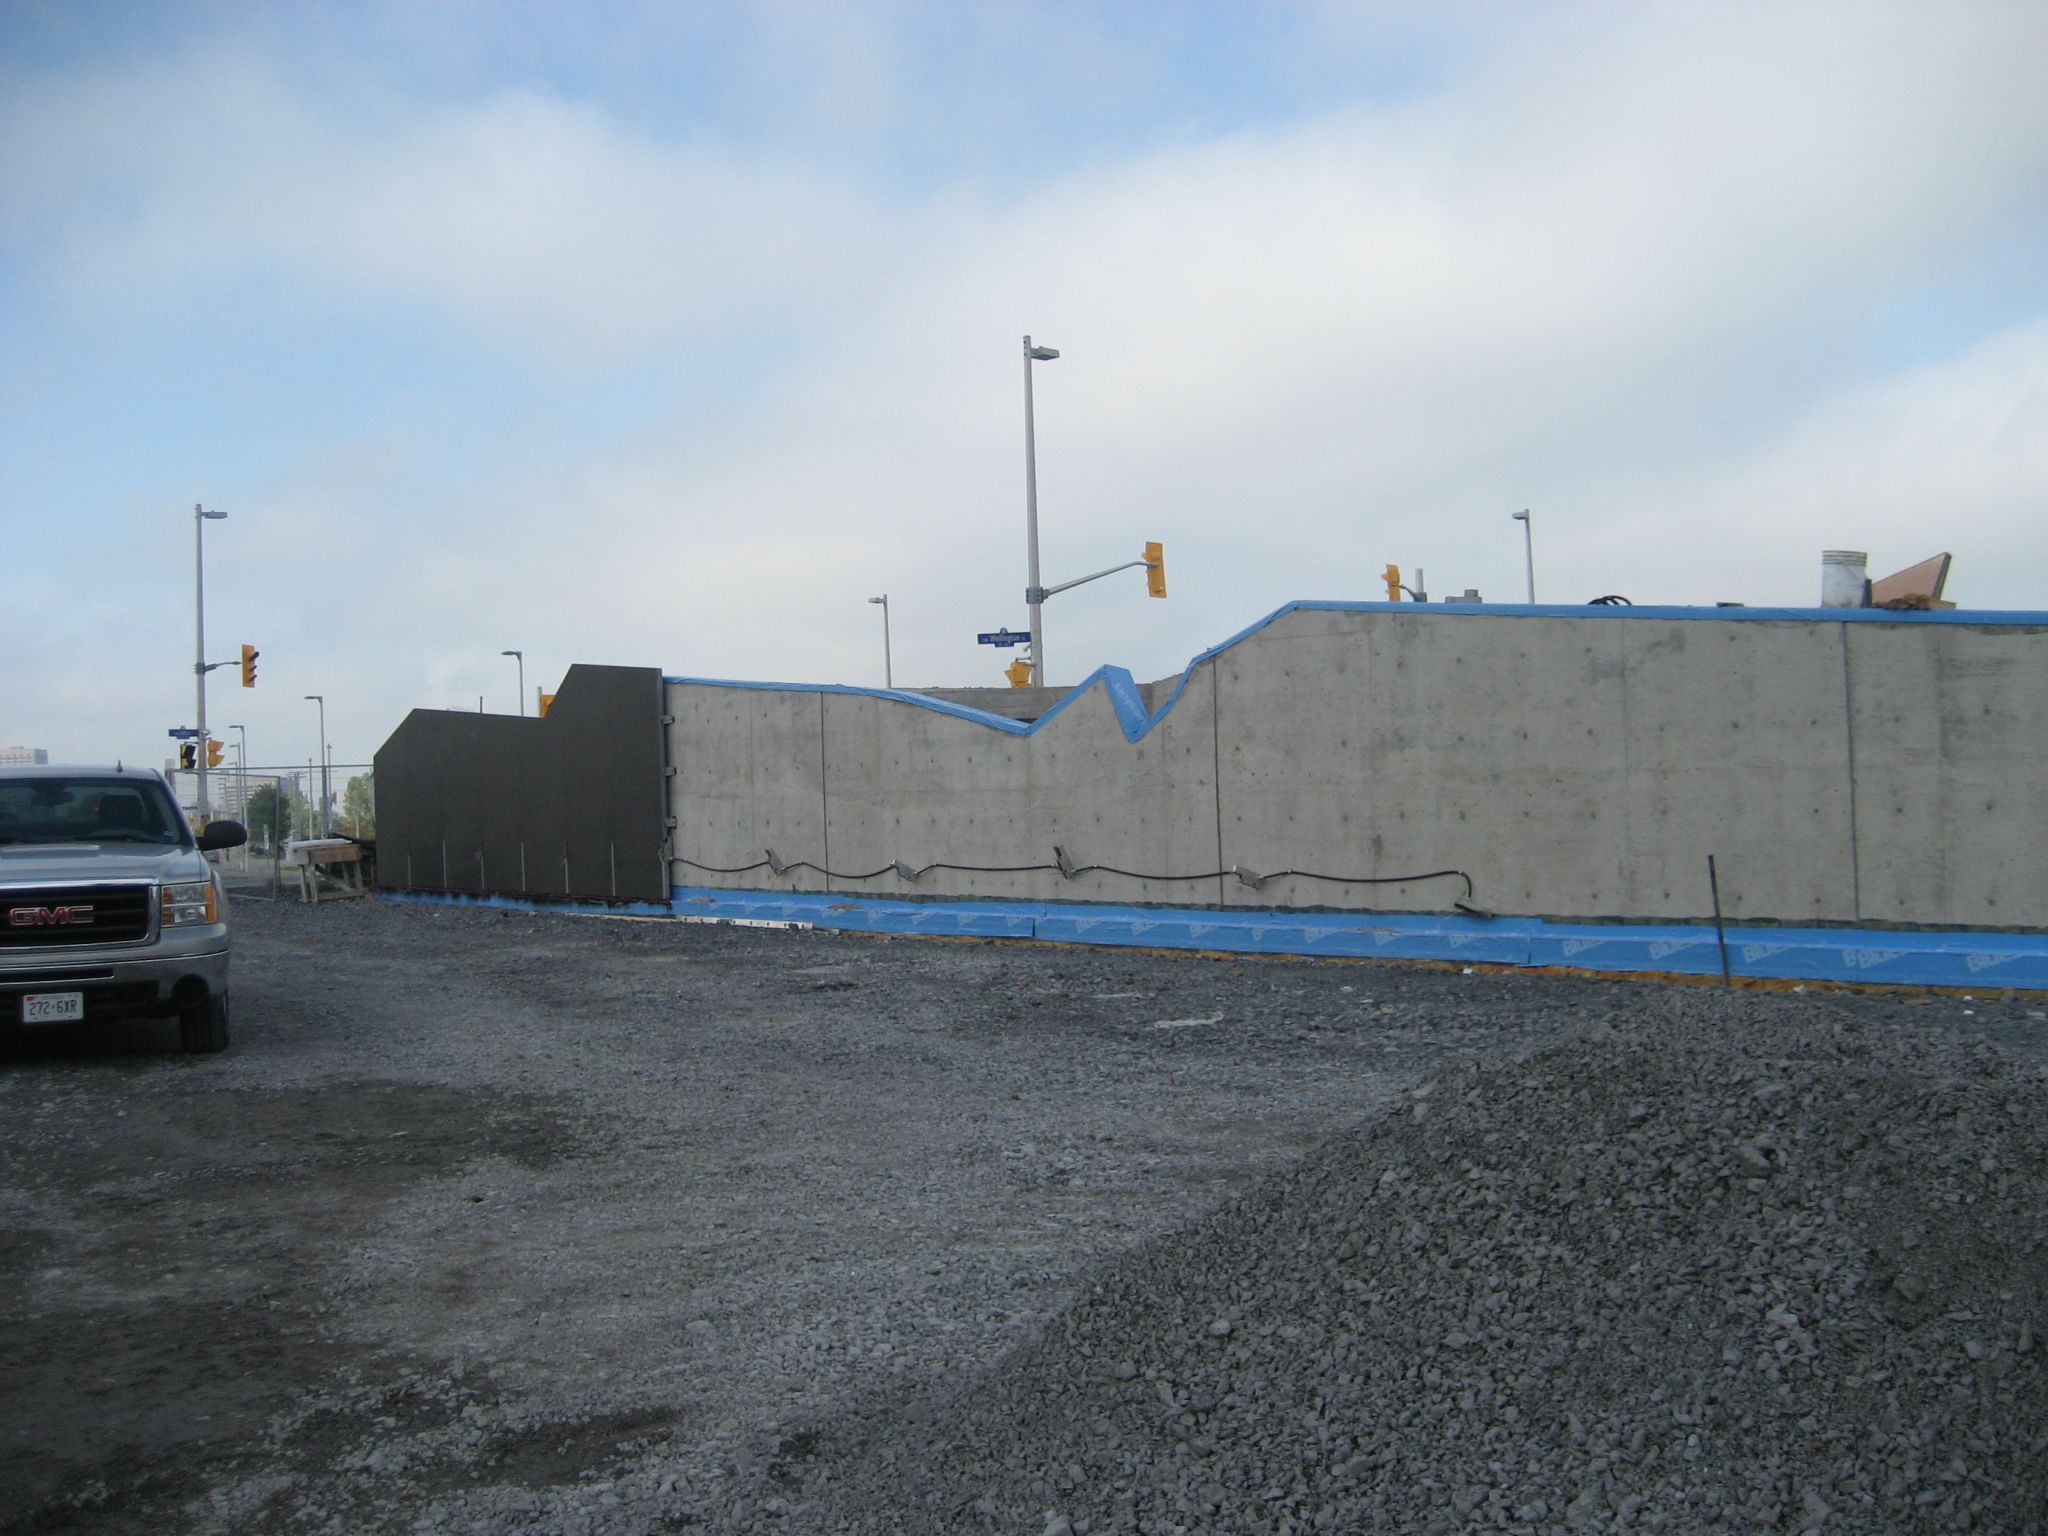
{"x": 888, "y": 660}
{"x": 199, "y": 519}
{"x": 520, "y": 657}
{"x": 1034, "y": 594}
{"x": 321, "y": 700}
{"x": 1528, "y": 552}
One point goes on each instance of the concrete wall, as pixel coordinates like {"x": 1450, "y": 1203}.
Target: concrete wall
{"x": 1577, "y": 763}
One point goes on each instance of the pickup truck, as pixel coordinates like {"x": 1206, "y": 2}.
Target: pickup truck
{"x": 108, "y": 906}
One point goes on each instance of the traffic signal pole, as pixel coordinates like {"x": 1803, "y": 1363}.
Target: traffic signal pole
{"x": 199, "y": 645}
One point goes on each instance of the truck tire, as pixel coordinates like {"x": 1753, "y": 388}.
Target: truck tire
{"x": 205, "y": 1029}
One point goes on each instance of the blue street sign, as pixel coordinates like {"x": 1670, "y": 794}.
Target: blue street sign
{"x": 183, "y": 732}
{"x": 1004, "y": 637}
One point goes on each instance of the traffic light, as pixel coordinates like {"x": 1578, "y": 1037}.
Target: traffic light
{"x": 1155, "y": 569}
{"x": 249, "y": 655}
{"x": 188, "y": 754}
{"x": 1019, "y": 673}
{"x": 1392, "y": 576}
{"x": 215, "y": 751}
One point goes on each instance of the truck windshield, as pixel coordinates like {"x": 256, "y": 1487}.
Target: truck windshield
{"x": 62, "y": 808}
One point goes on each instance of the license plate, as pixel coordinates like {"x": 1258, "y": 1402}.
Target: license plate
{"x": 52, "y": 1007}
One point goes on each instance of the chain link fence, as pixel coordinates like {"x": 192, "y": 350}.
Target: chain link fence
{"x": 280, "y": 807}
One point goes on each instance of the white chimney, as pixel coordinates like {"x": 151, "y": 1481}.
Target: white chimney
{"x": 1844, "y": 578}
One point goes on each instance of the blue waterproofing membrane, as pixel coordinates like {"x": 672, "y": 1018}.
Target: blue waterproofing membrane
{"x": 1132, "y": 715}
{"x": 1883, "y": 957}
{"x": 1976, "y": 959}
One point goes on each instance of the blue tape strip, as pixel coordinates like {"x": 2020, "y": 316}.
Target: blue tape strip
{"x": 1976, "y": 960}
{"x": 1137, "y": 721}
{"x": 522, "y": 904}
{"x": 1979, "y": 959}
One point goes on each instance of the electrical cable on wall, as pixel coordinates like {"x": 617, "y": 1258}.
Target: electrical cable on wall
{"x": 1068, "y": 870}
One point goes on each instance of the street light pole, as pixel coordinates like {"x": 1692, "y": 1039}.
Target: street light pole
{"x": 888, "y": 664}
{"x": 520, "y": 657}
{"x": 1034, "y": 593}
{"x": 199, "y": 519}
{"x": 1528, "y": 552}
{"x": 241, "y": 772}
{"x": 321, "y": 700}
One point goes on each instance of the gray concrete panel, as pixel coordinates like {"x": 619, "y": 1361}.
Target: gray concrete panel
{"x": 1736, "y": 745}
{"x": 1951, "y": 774}
{"x": 749, "y": 766}
{"x": 1377, "y": 745}
{"x": 912, "y": 785}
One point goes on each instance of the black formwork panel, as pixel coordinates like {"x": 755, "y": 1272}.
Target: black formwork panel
{"x": 573, "y": 805}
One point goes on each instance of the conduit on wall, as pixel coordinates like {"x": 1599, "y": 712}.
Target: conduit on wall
{"x": 1067, "y": 869}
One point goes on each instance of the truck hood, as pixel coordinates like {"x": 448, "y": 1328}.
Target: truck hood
{"x": 69, "y": 863}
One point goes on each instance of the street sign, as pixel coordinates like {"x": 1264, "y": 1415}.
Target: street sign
{"x": 182, "y": 732}
{"x": 1004, "y": 637}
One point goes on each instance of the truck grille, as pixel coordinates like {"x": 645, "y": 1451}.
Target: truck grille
{"x": 43, "y": 917}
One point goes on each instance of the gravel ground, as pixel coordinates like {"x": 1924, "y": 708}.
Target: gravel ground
{"x": 497, "y": 1223}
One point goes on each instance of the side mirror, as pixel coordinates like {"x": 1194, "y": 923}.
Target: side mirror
{"x": 222, "y": 834}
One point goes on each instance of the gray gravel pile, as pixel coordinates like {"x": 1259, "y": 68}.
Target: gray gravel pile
{"x": 1725, "y": 1265}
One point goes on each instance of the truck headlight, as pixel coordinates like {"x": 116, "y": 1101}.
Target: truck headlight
{"x": 187, "y": 906}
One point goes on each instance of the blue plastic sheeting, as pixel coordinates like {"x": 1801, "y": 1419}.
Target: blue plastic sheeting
{"x": 1129, "y": 704}
{"x": 1970, "y": 960}
{"x": 521, "y": 904}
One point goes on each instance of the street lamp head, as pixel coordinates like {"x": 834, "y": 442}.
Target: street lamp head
{"x": 883, "y": 599}
{"x": 1042, "y": 354}
{"x": 1521, "y": 516}
{"x": 315, "y": 696}
{"x": 214, "y": 515}
{"x": 520, "y": 654}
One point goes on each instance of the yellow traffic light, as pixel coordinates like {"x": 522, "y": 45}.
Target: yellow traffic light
{"x": 188, "y": 755}
{"x": 1392, "y": 576}
{"x": 1155, "y": 569}
{"x": 1019, "y": 673}
{"x": 249, "y": 654}
{"x": 215, "y": 751}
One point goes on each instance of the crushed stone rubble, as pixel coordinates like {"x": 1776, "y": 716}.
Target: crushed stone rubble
{"x": 1713, "y": 1265}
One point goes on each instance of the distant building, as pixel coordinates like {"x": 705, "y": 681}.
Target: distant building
{"x": 23, "y": 757}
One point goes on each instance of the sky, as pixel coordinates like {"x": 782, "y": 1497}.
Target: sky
{"x": 669, "y": 334}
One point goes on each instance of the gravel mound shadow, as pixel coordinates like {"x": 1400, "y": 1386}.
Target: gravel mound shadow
{"x": 1712, "y": 1266}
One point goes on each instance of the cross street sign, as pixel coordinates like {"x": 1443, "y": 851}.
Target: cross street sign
{"x": 182, "y": 732}
{"x": 1004, "y": 637}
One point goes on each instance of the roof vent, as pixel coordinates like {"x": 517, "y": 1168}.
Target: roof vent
{"x": 1844, "y": 578}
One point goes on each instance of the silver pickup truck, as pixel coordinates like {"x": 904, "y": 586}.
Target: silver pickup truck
{"x": 108, "y": 906}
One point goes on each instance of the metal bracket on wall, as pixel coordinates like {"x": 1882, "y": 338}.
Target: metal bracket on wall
{"x": 774, "y": 863}
{"x": 904, "y": 871}
{"x": 668, "y": 719}
{"x": 1255, "y": 881}
{"x": 1066, "y": 864}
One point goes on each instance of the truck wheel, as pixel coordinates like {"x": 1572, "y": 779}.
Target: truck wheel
{"x": 205, "y": 1029}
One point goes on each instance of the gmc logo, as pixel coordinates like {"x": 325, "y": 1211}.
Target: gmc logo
{"x": 46, "y": 917}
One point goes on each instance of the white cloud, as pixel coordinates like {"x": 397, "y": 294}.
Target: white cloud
{"x": 1952, "y": 457}
{"x": 1620, "y": 268}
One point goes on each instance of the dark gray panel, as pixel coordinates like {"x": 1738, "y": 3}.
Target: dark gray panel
{"x": 572, "y": 805}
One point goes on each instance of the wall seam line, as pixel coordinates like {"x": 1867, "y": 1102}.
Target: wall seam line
{"x": 1216, "y": 769}
{"x": 824, "y": 797}
{"x": 1849, "y": 746}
